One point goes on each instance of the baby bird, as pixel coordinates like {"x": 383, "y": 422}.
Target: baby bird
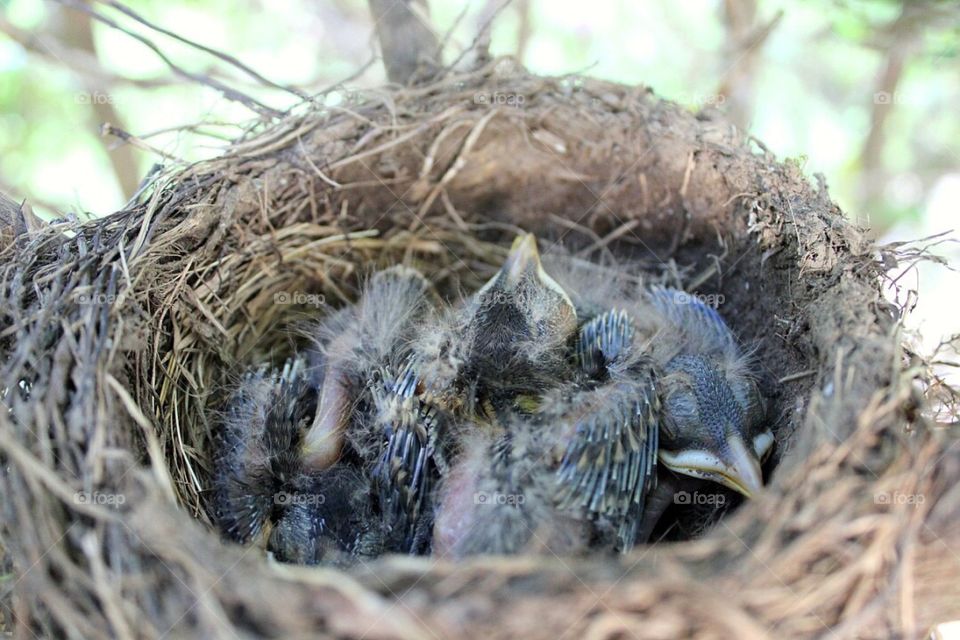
{"x": 499, "y": 498}
{"x": 262, "y": 488}
{"x": 361, "y": 351}
{"x": 370, "y": 409}
{"x": 521, "y": 324}
{"x": 500, "y": 348}
{"x": 256, "y": 449}
{"x": 611, "y": 428}
{"x": 326, "y": 517}
{"x": 297, "y": 448}
{"x": 713, "y": 412}
{"x": 700, "y": 394}
{"x": 506, "y": 344}
{"x": 407, "y": 469}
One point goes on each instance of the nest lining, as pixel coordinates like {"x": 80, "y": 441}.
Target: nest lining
{"x": 114, "y": 393}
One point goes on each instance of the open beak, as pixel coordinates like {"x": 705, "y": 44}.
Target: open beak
{"x": 738, "y": 470}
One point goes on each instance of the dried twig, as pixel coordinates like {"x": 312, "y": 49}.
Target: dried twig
{"x": 231, "y": 60}
{"x": 227, "y": 92}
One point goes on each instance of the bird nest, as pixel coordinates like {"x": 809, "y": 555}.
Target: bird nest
{"x": 120, "y": 334}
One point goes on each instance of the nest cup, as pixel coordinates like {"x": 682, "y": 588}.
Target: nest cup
{"x": 119, "y": 336}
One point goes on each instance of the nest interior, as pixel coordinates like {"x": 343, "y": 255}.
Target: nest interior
{"x": 119, "y": 334}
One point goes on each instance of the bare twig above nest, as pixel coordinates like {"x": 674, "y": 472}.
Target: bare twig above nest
{"x": 409, "y": 45}
{"x": 228, "y": 92}
{"x": 217, "y": 54}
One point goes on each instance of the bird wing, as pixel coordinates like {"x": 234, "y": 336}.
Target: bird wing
{"x": 604, "y": 340}
{"x": 609, "y": 463}
{"x": 404, "y": 473}
{"x": 257, "y": 447}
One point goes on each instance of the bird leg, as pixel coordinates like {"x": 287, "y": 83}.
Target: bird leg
{"x": 658, "y": 501}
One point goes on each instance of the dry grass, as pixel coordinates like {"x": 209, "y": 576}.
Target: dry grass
{"x": 118, "y": 336}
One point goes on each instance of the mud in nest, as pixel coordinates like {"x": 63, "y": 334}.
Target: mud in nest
{"x": 118, "y": 335}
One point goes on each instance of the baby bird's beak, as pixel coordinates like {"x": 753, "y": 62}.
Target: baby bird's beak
{"x": 517, "y": 328}
{"x": 323, "y": 441}
{"x": 522, "y": 267}
{"x": 523, "y": 258}
{"x": 736, "y": 465}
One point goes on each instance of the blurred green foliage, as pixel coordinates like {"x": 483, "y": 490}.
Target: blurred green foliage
{"x": 809, "y": 87}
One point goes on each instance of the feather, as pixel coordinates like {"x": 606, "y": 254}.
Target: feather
{"x": 257, "y": 447}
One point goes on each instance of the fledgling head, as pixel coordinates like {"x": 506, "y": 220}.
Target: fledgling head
{"x": 441, "y": 351}
{"x": 714, "y": 415}
{"x": 520, "y": 322}
{"x": 714, "y": 423}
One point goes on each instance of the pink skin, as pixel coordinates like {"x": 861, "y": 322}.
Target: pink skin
{"x": 457, "y": 514}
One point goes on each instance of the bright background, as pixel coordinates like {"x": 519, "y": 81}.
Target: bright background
{"x": 866, "y": 92}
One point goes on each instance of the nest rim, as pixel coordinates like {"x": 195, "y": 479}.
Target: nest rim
{"x": 276, "y": 200}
